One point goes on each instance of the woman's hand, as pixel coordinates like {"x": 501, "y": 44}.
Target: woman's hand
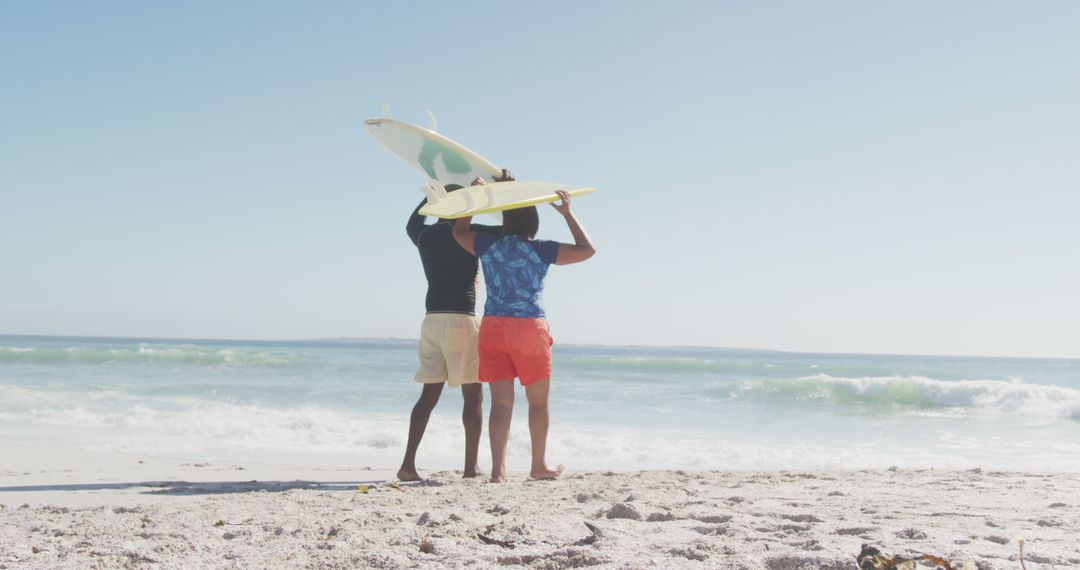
{"x": 564, "y": 206}
{"x": 582, "y": 248}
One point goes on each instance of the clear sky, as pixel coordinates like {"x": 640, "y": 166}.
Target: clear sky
{"x": 817, "y": 176}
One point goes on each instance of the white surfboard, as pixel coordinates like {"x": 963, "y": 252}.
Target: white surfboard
{"x": 438, "y": 157}
{"x": 493, "y": 197}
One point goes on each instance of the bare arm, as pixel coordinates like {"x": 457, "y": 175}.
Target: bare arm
{"x": 582, "y": 248}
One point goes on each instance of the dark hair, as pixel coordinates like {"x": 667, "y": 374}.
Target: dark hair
{"x": 523, "y": 222}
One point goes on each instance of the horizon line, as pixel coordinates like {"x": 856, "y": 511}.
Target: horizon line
{"x": 404, "y": 340}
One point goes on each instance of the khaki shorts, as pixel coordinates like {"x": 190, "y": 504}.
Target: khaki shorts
{"x": 448, "y": 349}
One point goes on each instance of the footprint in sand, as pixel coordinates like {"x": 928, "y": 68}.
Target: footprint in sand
{"x": 861, "y": 531}
{"x": 710, "y": 530}
{"x": 712, "y": 519}
{"x": 912, "y": 534}
{"x": 498, "y": 510}
{"x": 697, "y": 551}
{"x": 802, "y": 518}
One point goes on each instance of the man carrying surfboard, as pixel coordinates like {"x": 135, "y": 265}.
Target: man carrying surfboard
{"x": 515, "y": 341}
{"x": 448, "y": 335}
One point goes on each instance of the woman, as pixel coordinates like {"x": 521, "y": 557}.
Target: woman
{"x": 514, "y": 336}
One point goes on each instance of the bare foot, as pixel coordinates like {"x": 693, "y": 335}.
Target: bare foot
{"x": 470, "y": 473}
{"x": 497, "y": 478}
{"x": 544, "y": 473}
{"x": 405, "y": 474}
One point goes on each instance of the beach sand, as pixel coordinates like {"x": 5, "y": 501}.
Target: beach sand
{"x": 78, "y": 509}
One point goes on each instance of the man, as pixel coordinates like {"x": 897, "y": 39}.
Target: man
{"x": 448, "y": 335}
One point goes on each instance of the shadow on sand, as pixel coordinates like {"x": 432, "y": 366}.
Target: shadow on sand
{"x": 207, "y": 487}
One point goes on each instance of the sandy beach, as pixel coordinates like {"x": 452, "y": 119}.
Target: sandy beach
{"x": 79, "y": 509}
{"x": 777, "y": 286}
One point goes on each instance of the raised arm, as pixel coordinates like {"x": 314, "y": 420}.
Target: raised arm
{"x": 415, "y": 226}
{"x": 582, "y": 248}
{"x": 464, "y": 235}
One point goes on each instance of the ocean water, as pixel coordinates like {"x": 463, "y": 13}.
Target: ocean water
{"x": 348, "y": 402}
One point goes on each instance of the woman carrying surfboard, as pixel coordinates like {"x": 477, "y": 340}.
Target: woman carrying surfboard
{"x": 515, "y": 341}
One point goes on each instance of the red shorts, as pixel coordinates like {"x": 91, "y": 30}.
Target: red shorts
{"x": 514, "y": 347}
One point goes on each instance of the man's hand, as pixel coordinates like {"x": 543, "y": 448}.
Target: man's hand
{"x": 478, "y": 181}
{"x": 506, "y": 176}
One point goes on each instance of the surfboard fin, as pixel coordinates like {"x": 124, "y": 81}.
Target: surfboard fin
{"x": 434, "y": 191}
{"x": 386, "y": 114}
{"x": 431, "y": 121}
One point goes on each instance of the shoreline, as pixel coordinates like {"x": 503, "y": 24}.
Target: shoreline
{"x": 75, "y": 509}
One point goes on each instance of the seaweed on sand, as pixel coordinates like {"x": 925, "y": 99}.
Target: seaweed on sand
{"x": 871, "y": 558}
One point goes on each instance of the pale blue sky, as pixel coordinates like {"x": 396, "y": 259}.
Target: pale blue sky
{"x": 828, "y": 176}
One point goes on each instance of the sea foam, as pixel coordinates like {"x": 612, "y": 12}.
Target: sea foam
{"x": 921, "y": 393}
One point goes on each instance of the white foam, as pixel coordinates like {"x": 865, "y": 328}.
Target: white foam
{"x": 239, "y": 431}
{"x": 1013, "y": 397}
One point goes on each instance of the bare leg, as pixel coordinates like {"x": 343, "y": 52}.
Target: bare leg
{"x": 537, "y": 394}
{"x": 502, "y": 408}
{"x": 472, "y": 417}
{"x": 421, "y": 412}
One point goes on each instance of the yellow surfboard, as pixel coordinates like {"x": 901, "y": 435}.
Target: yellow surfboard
{"x": 493, "y": 197}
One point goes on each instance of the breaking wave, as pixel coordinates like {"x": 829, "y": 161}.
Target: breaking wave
{"x": 919, "y": 393}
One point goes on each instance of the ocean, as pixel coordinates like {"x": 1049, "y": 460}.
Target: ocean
{"x": 347, "y": 402}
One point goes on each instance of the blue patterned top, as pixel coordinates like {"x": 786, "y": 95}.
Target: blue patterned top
{"x": 514, "y": 271}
